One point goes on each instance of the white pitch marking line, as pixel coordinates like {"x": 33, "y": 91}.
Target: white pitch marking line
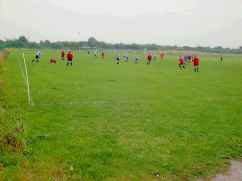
{"x": 27, "y": 82}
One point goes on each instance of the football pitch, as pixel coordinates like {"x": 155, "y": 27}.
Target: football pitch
{"x": 97, "y": 120}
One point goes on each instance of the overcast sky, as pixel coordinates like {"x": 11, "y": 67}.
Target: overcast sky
{"x": 165, "y": 22}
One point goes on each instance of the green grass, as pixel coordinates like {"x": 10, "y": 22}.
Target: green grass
{"x": 127, "y": 121}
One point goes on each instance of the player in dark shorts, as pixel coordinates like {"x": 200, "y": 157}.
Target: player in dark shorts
{"x": 96, "y": 52}
{"x": 117, "y": 59}
{"x": 69, "y": 58}
{"x": 221, "y": 58}
{"x": 196, "y": 63}
{"x": 37, "y": 57}
{"x": 181, "y": 63}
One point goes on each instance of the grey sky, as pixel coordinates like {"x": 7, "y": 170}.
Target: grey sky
{"x": 166, "y": 22}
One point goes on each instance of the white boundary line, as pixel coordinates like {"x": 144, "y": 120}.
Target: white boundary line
{"x": 30, "y": 101}
{"x": 22, "y": 71}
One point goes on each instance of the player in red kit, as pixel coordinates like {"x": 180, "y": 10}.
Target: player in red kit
{"x": 69, "y": 58}
{"x": 181, "y": 63}
{"x": 196, "y": 62}
{"x": 62, "y": 55}
{"x": 149, "y": 58}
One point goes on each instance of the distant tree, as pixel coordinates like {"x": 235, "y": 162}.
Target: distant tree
{"x": 23, "y": 39}
{"x": 47, "y": 42}
{"x": 218, "y": 49}
{"x": 92, "y": 42}
{"x": 23, "y": 42}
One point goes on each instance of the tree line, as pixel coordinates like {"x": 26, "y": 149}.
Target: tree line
{"x": 23, "y": 42}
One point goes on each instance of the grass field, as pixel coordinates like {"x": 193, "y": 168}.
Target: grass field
{"x": 100, "y": 121}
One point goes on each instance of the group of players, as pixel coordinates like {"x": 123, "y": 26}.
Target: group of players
{"x": 68, "y": 57}
{"x": 149, "y": 56}
{"x": 183, "y": 60}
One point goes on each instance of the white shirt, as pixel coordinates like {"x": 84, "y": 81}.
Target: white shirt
{"x": 38, "y": 53}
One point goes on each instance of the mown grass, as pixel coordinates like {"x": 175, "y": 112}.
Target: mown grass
{"x": 11, "y": 140}
{"x": 102, "y": 121}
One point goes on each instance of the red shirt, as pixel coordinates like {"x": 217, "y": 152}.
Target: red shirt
{"x": 181, "y": 61}
{"x": 149, "y": 57}
{"x": 196, "y": 61}
{"x": 69, "y": 56}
